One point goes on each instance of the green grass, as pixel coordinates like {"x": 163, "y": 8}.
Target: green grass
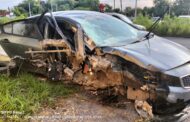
{"x": 27, "y": 94}
{"x": 169, "y": 26}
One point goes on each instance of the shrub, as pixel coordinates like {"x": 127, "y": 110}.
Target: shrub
{"x": 143, "y": 20}
{"x": 7, "y": 19}
{"x": 169, "y": 26}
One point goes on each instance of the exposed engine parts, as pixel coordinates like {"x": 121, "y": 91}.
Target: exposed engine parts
{"x": 95, "y": 72}
{"x": 55, "y": 71}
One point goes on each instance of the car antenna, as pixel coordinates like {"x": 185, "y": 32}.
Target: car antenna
{"x": 152, "y": 27}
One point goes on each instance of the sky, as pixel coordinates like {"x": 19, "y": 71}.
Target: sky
{"x": 141, "y": 3}
{"x": 4, "y": 4}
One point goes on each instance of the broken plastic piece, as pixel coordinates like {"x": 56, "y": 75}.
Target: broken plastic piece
{"x": 143, "y": 109}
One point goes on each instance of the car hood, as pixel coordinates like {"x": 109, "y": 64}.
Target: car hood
{"x": 158, "y": 52}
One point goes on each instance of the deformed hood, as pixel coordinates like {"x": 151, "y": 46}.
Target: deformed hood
{"x": 159, "y": 53}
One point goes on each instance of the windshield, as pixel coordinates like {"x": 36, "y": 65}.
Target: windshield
{"x": 106, "y": 30}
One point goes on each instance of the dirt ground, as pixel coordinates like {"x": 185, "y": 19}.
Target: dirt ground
{"x": 82, "y": 108}
{"x": 85, "y": 107}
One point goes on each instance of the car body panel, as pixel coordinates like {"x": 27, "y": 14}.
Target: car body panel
{"x": 157, "y": 52}
{"x": 178, "y": 93}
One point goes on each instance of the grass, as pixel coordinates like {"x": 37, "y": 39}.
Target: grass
{"x": 27, "y": 94}
{"x": 169, "y": 26}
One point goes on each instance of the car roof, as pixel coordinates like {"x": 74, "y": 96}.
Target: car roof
{"x": 66, "y": 14}
{"x": 69, "y": 13}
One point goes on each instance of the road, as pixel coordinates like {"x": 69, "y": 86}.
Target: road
{"x": 183, "y": 41}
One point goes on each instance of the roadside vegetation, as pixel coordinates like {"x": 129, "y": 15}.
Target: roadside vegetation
{"x": 27, "y": 94}
{"x": 169, "y": 26}
{"x": 8, "y": 19}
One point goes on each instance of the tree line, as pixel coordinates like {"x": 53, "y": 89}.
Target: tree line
{"x": 176, "y": 8}
{"x": 35, "y": 6}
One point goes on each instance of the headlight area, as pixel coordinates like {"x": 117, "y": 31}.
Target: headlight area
{"x": 171, "y": 96}
{"x": 170, "y": 80}
{"x": 165, "y": 81}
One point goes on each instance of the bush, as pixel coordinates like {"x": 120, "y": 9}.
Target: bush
{"x": 169, "y": 26}
{"x": 4, "y": 20}
{"x": 174, "y": 27}
{"x": 7, "y": 19}
{"x": 143, "y": 20}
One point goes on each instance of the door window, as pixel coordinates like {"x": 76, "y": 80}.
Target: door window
{"x": 25, "y": 29}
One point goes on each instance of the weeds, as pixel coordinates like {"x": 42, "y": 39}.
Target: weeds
{"x": 26, "y": 93}
{"x": 169, "y": 26}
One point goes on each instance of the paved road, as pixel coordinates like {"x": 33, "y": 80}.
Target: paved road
{"x": 183, "y": 41}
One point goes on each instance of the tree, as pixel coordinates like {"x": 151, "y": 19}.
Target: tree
{"x": 62, "y": 4}
{"x": 23, "y": 8}
{"x": 160, "y": 7}
{"x": 36, "y": 8}
{"x": 92, "y": 4}
{"x": 108, "y": 8}
{"x": 117, "y": 10}
{"x": 129, "y": 11}
{"x": 148, "y": 11}
{"x": 181, "y": 7}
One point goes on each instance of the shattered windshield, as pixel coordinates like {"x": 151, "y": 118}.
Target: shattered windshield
{"x": 105, "y": 30}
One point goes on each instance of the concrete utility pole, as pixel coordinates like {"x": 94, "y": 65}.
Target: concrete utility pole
{"x": 51, "y": 6}
{"x": 121, "y": 3}
{"x": 135, "y": 8}
{"x": 169, "y": 7}
{"x": 114, "y": 4}
{"x": 29, "y": 9}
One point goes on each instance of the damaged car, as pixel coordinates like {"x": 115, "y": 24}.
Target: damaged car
{"x": 100, "y": 52}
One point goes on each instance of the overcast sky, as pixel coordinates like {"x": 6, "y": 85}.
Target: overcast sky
{"x": 4, "y": 4}
{"x": 141, "y": 3}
